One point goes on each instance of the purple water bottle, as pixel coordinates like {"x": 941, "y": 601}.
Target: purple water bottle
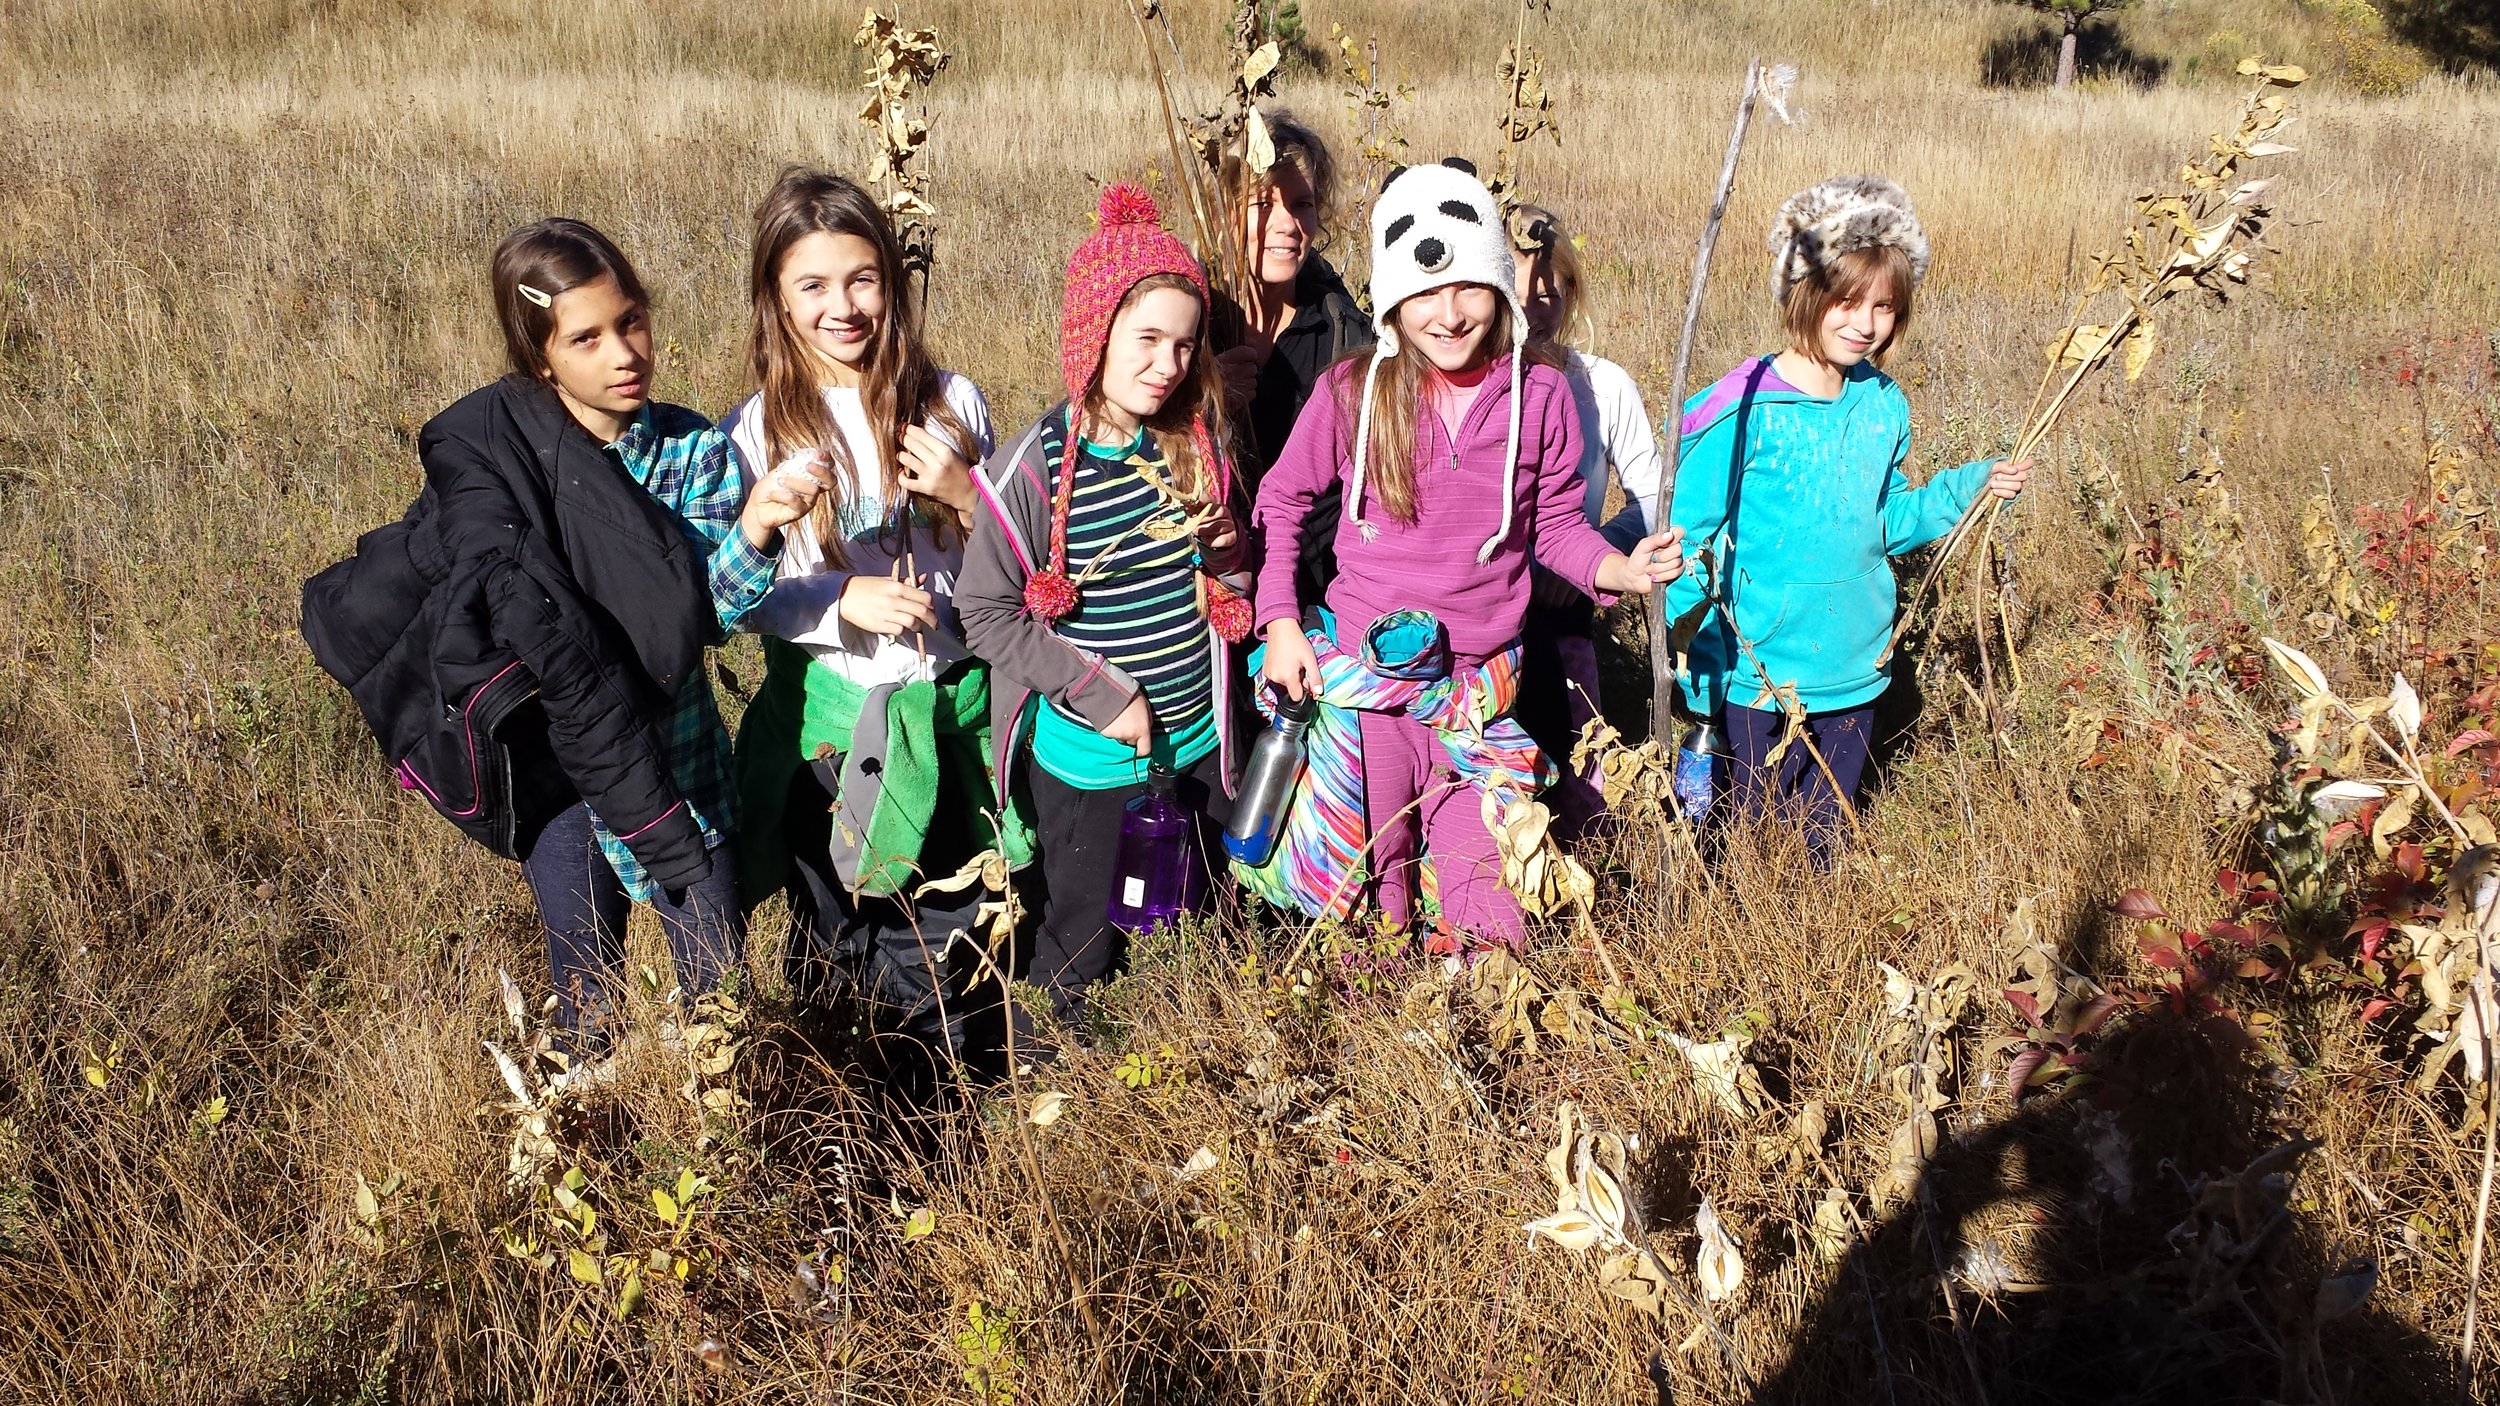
{"x": 1157, "y": 876}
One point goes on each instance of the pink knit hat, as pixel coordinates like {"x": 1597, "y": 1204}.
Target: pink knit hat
{"x": 1128, "y": 246}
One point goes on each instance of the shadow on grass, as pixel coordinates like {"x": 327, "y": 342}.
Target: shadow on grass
{"x": 2137, "y": 1239}
{"x": 2457, "y": 34}
{"x": 2027, "y": 58}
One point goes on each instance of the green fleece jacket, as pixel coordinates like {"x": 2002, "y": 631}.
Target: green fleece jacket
{"x": 1801, "y": 501}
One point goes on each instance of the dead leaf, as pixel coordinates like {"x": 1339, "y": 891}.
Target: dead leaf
{"x": 1720, "y": 1265}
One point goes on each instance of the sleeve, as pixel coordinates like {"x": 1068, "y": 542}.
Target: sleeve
{"x": 1565, "y": 543}
{"x": 973, "y": 408}
{"x": 989, "y": 602}
{"x": 801, "y": 594}
{"x": 1705, "y": 482}
{"x": 1308, "y": 464}
{"x": 1914, "y": 517}
{"x": 716, "y": 491}
{"x": 1632, "y": 444}
{"x": 535, "y": 610}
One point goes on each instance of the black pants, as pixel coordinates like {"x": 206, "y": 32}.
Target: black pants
{"x": 1799, "y": 794}
{"x": 1078, "y": 833}
{"x": 892, "y": 950}
{"x": 582, "y": 908}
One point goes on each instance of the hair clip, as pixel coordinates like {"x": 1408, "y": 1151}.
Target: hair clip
{"x": 534, "y": 295}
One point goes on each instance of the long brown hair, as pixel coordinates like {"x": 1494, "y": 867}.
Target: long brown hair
{"x": 1398, "y": 407}
{"x": 1199, "y": 397}
{"x": 899, "y": 384}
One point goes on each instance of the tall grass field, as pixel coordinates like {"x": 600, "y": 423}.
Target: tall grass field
{"x": 2131, "y": 1056}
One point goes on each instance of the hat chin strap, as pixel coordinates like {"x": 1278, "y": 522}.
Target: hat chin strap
{"x": 1510, "y": 452}
{"x": 1383, "y": 349}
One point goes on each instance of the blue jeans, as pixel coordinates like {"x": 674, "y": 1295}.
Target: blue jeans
{"x": 582, "y": 907}
{"x": 1799, "y": 793}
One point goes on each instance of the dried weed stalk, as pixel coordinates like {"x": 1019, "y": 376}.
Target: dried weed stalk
{"x": 901, "y": 63}
{"x": 2200, "y": 235}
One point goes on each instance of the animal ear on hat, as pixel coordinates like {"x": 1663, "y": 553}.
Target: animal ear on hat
{"x": 1391, "y": 178}
{"x": 1459, "y": 163}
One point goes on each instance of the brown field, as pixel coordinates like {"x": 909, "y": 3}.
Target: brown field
{"x": 242, "y": 246}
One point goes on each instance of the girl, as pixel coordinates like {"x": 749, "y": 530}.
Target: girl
{"x": 1459, "y": 455}
{"x": 602, "y": 535}
{"x": 1302, "y": 321}
{"x": 1099, "y": 585}
{"x": 1558, "y": 680}
{"x": 862, "y": 764}
{"x": 1792, "y": 473}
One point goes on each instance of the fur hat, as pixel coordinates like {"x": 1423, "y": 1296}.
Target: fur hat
{"x": 1433, "y": 226}
{"x": 1839, "y": 216}
{"x": 1128, "y": 246}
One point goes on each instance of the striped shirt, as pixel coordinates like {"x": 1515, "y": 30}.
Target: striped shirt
{"x": 683, "y": 463}
{"x": 1139, "y": 608}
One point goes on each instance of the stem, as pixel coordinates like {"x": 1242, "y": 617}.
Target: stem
{"x": 2480, "y": 992}
{"x": 1662, "y": 648}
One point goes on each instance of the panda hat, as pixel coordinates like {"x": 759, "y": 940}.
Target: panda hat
{"x": 1433, "y": 226}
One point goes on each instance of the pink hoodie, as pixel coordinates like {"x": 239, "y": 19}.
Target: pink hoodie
{"x": 1430, "y": 563}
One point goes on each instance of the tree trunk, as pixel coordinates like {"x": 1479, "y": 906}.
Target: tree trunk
{"x": 2066, "y": 54}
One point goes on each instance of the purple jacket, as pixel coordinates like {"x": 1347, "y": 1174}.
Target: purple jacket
{"x": 1430, "y": 563}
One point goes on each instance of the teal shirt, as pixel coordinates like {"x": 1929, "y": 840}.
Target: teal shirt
{"x": 1802, "y": 501}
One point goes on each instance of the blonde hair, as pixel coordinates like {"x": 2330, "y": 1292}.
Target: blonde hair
{"x": 1852, "y": 276}
{"x": 1538, "y": 233}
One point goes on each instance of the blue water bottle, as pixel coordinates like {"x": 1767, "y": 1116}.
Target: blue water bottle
{"x": 1698, "y": 766}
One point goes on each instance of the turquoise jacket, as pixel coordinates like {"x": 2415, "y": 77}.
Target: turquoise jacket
{"x": 1800, "y": 501}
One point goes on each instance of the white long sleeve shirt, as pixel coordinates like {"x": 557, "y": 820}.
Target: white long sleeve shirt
{"x": 803, "y": 605}
{"x": 1615, "y": 431}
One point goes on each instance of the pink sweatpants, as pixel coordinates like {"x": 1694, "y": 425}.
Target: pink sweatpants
{"x": 1402, "y": 762}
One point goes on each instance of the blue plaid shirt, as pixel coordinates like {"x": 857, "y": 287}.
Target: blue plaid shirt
{"x": 681, "y": 461}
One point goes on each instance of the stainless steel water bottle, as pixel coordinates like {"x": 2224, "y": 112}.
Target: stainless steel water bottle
{"x": 1267, "y": 782}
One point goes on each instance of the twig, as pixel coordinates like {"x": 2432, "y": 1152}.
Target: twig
{"x": 1661, "y": 647}
{"x": 1952, "y": 1301}
{"x": 2480, "y": 991}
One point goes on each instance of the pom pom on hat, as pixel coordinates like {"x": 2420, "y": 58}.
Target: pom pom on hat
{"x": 1126, "y": 204}
{"x": 1129, "y": 245}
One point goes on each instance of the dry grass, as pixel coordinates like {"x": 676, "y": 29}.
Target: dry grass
{"x": 240, "y": 254}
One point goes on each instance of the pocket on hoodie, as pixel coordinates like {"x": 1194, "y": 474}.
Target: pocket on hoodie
{"x": 1824, "y": 634}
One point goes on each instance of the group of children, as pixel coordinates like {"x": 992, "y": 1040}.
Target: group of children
{"x": 983, "y": 647}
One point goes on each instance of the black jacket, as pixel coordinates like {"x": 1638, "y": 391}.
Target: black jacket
{"x": 1327, "y": 325}
{"x": 530, "y": 545}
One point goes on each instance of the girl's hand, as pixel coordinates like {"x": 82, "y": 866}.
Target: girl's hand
{"x": 1652, "y": 562}
{"x": 886, "y": 605}
{"x": 929, "y": 466}
{"x": 1219, "y": 540}
{"x": 782, "y": 497}
{"x": 2007, "y": 479}
{"x": 1135, "y": 726}
{"x": 1289, "y": 663}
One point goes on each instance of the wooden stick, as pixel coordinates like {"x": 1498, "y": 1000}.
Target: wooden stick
{"x": 1662, "y": 649}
